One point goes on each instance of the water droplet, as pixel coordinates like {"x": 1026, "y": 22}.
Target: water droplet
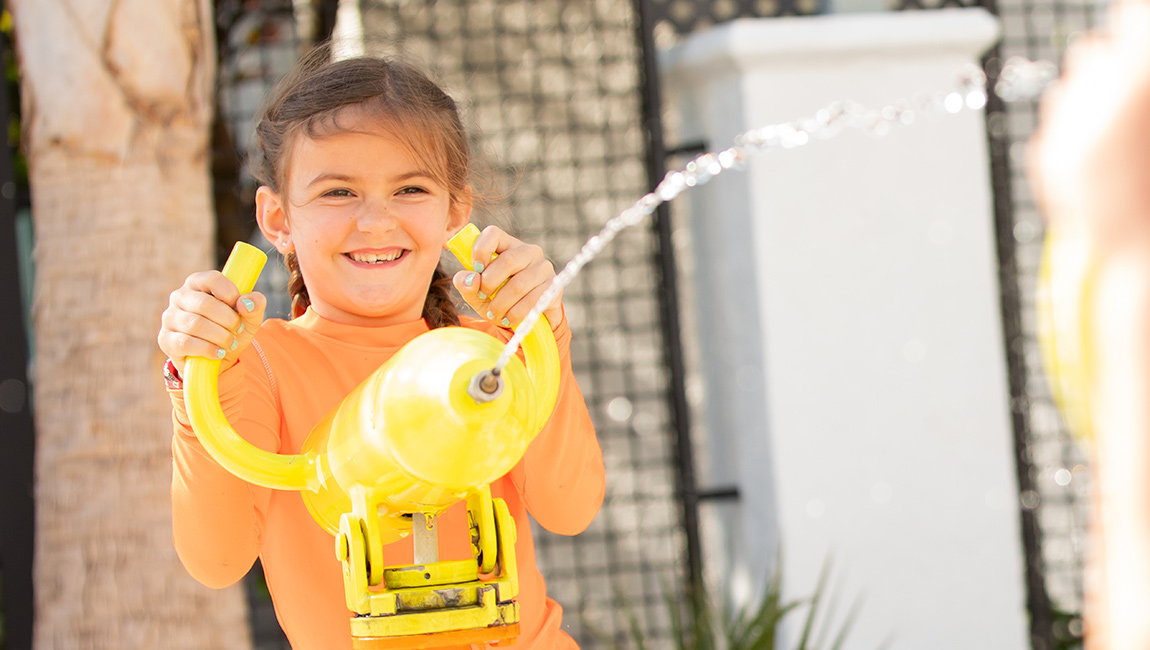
{"x": 952, "y": 103}
{"x": 619, "y": 409}
{"x": 1062, "y": 477}
{"x": 1018, "y": 153}
{"x": 671, "y": 186}
{"x": 976, "y": 99}
{"x": 1029, "y": 499}
{"x": 1025, "y": 232}
{"x": 709, "y": 164}
{"x": 996, "y": 125}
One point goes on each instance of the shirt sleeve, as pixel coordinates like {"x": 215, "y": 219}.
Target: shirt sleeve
{"x": 561, "y": 477}
{"x": 217, "y": 518}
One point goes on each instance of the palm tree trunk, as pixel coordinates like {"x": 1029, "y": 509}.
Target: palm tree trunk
{"x": 117, "y": 106}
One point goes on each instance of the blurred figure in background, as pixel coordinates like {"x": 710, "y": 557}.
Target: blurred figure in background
{"x": 1089, "y": 166}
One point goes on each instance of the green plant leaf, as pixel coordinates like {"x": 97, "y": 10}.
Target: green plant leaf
{"x": 698, "y": 624}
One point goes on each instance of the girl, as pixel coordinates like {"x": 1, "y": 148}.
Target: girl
{"x": 363, "y": 166}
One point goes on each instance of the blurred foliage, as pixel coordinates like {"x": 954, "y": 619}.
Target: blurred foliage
{"x": 1067, "y": 630}
{"x": 12, "y": 78}
{"x": 701, "y": 625}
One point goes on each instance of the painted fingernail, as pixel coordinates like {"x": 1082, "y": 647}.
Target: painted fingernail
{"x": 490, "y": 316}
{"x": 505, "y": 322}
{"x": 478, "y": 266}
{"x": 221, "y": 353}
{"x": 235, "y": 343}
{"x": 251, "y": 306}
{"x": 469, "y": 279}
{"x": 240, "y": 329}
{"x": 482, "y": 296}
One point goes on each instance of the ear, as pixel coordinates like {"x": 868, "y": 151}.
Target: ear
{"x": 459, "y": 213}
{"x": 272, "y": 219}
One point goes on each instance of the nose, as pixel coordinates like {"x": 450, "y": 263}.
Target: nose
{"x": 376, "y": 217}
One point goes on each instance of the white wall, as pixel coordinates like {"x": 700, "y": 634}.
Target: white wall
{"x": 855, "y": 375}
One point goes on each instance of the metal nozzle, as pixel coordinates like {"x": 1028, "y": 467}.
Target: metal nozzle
{"x": 485, "y": 386}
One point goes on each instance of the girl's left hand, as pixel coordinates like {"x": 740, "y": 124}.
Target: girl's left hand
{"x": 503, "y": 290}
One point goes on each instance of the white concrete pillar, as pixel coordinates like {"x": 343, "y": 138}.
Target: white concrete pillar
{"x": 853, "y": 352}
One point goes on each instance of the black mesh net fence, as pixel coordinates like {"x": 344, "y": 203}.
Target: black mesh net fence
{"x": 1059, "y": 495}
{"x": 552, "y": 90}
{"x": 552, "y": 93}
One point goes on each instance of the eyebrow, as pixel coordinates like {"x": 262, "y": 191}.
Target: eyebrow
{"x": 332, "y": 176}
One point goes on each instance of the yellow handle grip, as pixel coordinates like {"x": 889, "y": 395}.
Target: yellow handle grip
{"x": 201, "y": 398}
{"x": 539, "y": 349}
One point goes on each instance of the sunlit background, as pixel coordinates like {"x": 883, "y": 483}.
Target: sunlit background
{"x": 582, "y": 107}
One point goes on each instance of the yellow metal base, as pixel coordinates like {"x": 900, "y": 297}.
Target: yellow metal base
{"x": 438, "y": 604}
{"x": 500, "y": 636}
{"x": 453, "y": 608}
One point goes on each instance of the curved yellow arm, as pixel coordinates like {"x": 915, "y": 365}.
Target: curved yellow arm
{"x": 1065, "y": 294}
{"x": 540, "y": 353}
{"x": 201, "y": 396}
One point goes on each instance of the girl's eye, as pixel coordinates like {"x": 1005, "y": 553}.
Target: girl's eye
{"x": 338, "y": 193}
{"x": 413, "y": 190}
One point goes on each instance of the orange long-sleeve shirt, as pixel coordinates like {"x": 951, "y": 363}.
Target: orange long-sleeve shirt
{"x": 293, "y": 374}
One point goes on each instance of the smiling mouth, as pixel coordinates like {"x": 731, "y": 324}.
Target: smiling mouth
{"x": 375, "y": 258}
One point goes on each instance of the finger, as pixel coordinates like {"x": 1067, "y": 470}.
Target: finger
{"x": 181, "y": 344}
{"x": 250, "y": 307}
{"x": 533, "y": 280}
{"x": 509, "y": 264}
{"x": 492, "y": 241}
{"x": 215, "y": 284}
{"x": 467, "y": 283}
{"x": 205, "y": 305}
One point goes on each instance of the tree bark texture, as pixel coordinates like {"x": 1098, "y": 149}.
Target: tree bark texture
{"x": 117, "y": 100}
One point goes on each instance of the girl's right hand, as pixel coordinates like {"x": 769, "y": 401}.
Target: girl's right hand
{"x": 208, "y": 317}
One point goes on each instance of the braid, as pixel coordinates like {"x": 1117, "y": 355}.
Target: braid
{"x": 296, "y": 288}
{"x": 439, "y": 310}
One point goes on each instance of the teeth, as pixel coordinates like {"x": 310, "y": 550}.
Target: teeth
{"x": 372, "y": 258}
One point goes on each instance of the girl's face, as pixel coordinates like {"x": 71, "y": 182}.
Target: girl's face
{"x": 366, "y": 221}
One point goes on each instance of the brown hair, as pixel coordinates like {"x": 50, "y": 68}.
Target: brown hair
{"x": 418, "y": 113}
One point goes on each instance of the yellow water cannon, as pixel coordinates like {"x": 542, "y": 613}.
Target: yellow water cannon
{"x": 431, "y": 427}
